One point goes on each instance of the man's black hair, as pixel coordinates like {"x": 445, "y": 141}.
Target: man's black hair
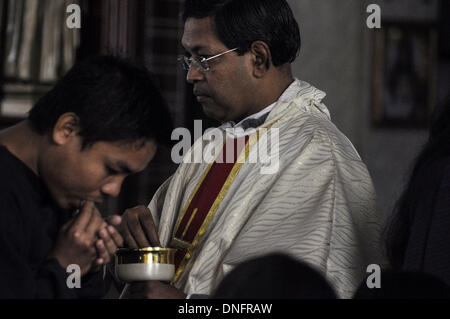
{"x": 115, "y": 101}
{"x": 239, "y": 23}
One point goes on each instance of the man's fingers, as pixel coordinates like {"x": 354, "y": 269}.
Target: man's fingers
{"x": 94, "y": 223}
{"x": 114, "y": 220}
{"x": 129, "y": 240}
{"x": 102, "y": 252}
{"x": 138, "y": 228}
{"x": 107, "y": 236}
{"x": 83, "y": 218}
{"x": 68, "y": 225}
{"x": 107, "y": 241}
{"x": 115, "y": 235}
{"x": 146, "y": 220}
{"x": 135, "y": 228}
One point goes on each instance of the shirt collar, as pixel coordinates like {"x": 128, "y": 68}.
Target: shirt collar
{"x": 261, "y": 116}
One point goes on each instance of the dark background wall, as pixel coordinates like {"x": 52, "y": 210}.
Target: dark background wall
{"x": 337, "y": 56}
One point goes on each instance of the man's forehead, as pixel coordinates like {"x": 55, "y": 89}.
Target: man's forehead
{"x": 124, "y": 149}
{"x": 199, "y": 34}
{"x": 131, "y": 157}
{"x": 122, "y": 145}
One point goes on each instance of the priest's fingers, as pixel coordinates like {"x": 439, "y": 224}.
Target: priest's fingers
{"x": 128, "y": 238}
{"x": 135, "y": 228}
{"x": 146, "y": 220}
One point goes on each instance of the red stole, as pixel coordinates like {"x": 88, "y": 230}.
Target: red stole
{"x": 204, "y": 201}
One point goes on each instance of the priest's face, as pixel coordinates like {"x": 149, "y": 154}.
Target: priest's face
{"x": 73, "y": 175}
{"x": 226, "y": 91}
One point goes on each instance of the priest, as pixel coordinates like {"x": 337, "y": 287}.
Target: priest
{"x": 310, "y": 197}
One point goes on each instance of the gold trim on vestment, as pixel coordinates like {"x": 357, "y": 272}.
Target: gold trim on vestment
{"x": 189, "y": 222}
{"x": 194, "y": 191}
{"x": 243, "y": 156}
{"x": 179, "y": 243}
{"x": 191, "y": 247}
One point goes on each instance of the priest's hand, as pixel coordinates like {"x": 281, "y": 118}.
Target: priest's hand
{"x": 138, "y": 228}
{"x": 154, "y": 290}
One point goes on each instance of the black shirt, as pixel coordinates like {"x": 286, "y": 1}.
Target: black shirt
{"x": 29, "y": 224}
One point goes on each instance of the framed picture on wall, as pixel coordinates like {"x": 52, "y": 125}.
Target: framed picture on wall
{"x": 404, "y": 87}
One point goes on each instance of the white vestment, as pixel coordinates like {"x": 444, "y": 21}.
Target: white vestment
{"x": 319, "y": 207}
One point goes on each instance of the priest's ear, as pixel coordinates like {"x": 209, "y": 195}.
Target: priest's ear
{"x": 261, "y": 58}
{"x": 67, "y": 127}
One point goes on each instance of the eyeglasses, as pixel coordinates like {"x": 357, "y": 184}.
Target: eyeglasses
{"x": 199, "y": 62}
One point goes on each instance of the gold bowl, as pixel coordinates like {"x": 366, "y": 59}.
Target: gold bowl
{"x": 143, "y": 264}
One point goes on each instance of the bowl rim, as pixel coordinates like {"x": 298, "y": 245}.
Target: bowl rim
{"x": 144, "y": 250}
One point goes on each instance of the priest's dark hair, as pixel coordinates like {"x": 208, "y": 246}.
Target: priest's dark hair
{"x": 115, "y": 101}
{"x": 239, "y": 23}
